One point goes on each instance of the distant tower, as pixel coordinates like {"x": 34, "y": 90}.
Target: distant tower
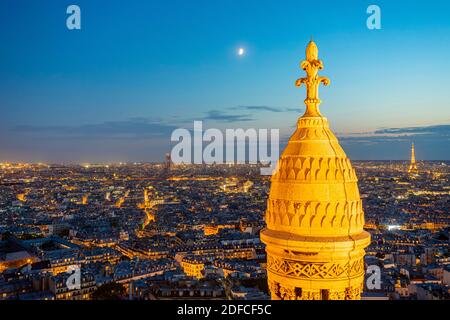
{"x": 314, "y": 236}
{"x": 146, "y": 199}
{"x": 413, "y": 165}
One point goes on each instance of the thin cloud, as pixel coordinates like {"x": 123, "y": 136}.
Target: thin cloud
{"x": 299, "y": 109}
{"x": 266, "y": 108}
{"x": 439, "y": 129}
{"x": 432, "y": 143}
{"x": 401, "y": 134}
{"x": 262, "y": 108}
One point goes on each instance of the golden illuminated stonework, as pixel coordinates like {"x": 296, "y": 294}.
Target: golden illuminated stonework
{"x": 314, "y": 235}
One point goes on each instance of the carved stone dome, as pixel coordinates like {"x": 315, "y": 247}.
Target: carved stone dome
{"x": 314, "y": 189}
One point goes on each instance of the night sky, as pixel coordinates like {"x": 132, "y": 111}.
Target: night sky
{"x": 116, "y": 89}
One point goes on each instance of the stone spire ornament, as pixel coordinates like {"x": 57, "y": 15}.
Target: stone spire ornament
{"x": 314, "y": 235}
{"x": 312, "y": 65}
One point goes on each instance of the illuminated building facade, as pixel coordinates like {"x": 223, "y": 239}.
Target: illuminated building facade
{"x": 314, "y": 235}
{"x": 193, "y": 267}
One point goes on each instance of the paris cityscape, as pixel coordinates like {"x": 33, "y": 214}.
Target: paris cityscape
{"x": 164, "y": 231}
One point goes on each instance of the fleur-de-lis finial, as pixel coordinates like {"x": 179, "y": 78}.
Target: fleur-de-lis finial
{"x": 312, "y": 65}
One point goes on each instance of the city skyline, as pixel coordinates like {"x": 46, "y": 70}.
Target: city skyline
{"x": 116, "y": 89}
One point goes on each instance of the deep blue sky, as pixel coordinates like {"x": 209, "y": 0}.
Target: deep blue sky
{"x": 115, "y": 90}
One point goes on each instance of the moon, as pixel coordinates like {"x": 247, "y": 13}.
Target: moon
{"x": 241, "y": 51}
